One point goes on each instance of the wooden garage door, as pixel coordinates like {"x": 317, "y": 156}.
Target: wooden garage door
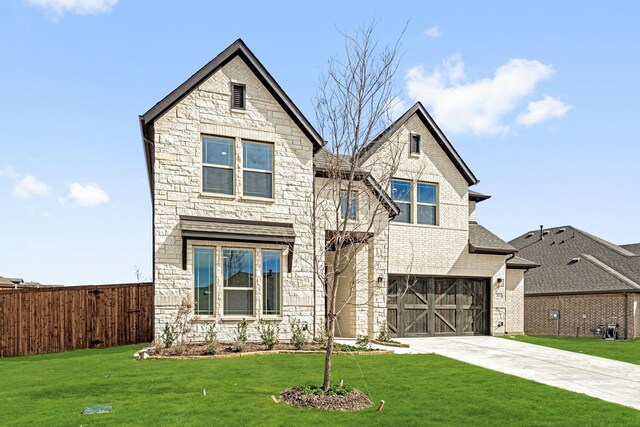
{"x": 437, "y": 306}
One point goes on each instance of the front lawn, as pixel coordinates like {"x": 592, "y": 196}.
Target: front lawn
{"x": 51, "y": 390}
{"x": 625, "y": 351}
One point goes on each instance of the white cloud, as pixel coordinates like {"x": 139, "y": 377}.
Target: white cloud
{"x": 78, "y": 7}
{"x": 29, "y": 187}
{"x": 479, "y": 106}
{"x": 87, "y": 195}
{"x": 8, "y": 172}
{"x": 433, "y": 32}
{"x": 545, "y": 109}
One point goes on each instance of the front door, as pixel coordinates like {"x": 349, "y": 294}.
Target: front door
{"x": 437, "y": 306}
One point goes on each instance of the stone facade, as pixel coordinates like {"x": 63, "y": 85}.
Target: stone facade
{"x": 310, "y": 205}
{"x": 442, "y": 249}
{"x": 178, "y": 191}
{"x": 598, "y": 309}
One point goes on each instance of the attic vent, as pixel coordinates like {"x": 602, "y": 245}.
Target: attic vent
{"x": 545, "y": 232}
{"x": 574, "y": 260}
{"x": 528, "y": 235}
{"x": 414, "y": 144}
{"x": 238, "y": 96}
{"x": 560, "y": 230}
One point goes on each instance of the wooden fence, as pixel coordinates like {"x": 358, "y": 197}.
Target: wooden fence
{"x": 48, "y": 320}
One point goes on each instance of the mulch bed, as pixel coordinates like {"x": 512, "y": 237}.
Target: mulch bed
{"x": 226, "y": 350}
{"x": 354, "y": 401}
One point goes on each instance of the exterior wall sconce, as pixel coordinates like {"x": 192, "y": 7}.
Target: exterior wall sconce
{"x": 380, "y": 280}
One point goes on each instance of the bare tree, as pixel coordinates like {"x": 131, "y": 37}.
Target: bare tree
{"x": 352, "y": 107}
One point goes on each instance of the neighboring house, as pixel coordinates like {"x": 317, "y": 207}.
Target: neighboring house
{"x": 237, "y": 176}
{"x": 583, "y": 282}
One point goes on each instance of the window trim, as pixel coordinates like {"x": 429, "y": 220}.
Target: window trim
{"x": 214, "y": 166}
{"x": 264, "y": 287}
{"x": 244, "y": 96}
{"x": 263, "y": 171}
{"x": 410, "y": 202}
{"x": 213, "y": 285}
{"x": 436, "y": 204}
{"x": 354, "y": 205}
{"x": 252, "y": 288}
{"x": 418, "y": 144}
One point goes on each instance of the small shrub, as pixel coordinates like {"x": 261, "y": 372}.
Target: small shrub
{"x": 179, "y": 348}
{"x": 269, "y": 333}
{"x": 158, "y": 346}
{"x": 334, "y": 390}
{"x": 321, "y": 336}
{"x": 384, "y": 335}
{"x": 168, "y": 335}
{"x": 184, "y": 324}
{"x": 211, "y": 340}
{"x": 241, "y": 336}
{"x": 298, "y": 337}
{"x": 362, "y": 342}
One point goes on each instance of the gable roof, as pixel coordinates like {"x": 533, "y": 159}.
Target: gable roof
{"x": 236, "y": 49}
{"x": 482, "y": 241}
{"x": 431, "y": 125}
{"x": 632, "y": 247}
{"x": 327, "y": 163}
{"x": 574, "y": 261}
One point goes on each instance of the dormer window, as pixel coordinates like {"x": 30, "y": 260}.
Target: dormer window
{"x": 414, "y": 143}
{"x": 238, "y": 96}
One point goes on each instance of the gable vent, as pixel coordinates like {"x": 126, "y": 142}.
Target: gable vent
{"x": 238, "y": 96}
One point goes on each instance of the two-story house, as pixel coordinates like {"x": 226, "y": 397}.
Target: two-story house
{"x": 238, "y": 180}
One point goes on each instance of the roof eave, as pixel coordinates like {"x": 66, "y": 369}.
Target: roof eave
{"x": 237, "y": 48}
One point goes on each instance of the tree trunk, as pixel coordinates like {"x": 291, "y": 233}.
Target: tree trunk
{"x": 326, "y": 383}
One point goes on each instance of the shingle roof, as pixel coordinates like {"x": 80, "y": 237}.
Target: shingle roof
{"x": 478, "y": 197}
{"x": 519, "y": 263}
{"x": 574, "y": 261}
{"x": 483, "y": 241}
{"x": 335, "y": 165}
{"x": 632, "y": 247}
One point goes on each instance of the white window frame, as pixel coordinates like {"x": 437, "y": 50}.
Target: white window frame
{"x": 437, "y": 213}
{"x": 409, "y": 203}
{"x": 353, "y": 205}
{"x": 214, "y": 166}
{"x": 213, "y": 285}
{"x": 263, "y": 171}
{"x": 226, "y": 288}
{"x": 264, "y": 283}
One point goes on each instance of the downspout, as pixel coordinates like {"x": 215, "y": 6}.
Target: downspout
{"x": 626, "y": 316}
{"x": 315, "y": 258}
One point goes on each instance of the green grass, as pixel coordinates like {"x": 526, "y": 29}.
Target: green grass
{"x": 51, "y": 390}
{"x": 625, "y": 351}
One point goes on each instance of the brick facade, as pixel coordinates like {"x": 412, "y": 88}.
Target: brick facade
{"x": 600, "y": 309}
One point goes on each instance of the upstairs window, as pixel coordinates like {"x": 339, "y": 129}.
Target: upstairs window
{"x": 238, "y": 96}
{"x": 427, "y": 204}
{"x": 353, "y": 205}
{"x": 257, "y": 169}
{"x": 401, "y": 194}
{"x": 217, "y": 165}
{"x": 414, "y": 143}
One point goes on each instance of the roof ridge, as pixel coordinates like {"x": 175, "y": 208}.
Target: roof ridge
{"x": 608, "y": 244}
{"x": 607, "y": 268}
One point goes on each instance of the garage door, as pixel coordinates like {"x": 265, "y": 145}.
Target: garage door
{"x": 434, "y": 306}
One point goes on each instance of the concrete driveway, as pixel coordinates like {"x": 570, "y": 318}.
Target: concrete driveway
{"x": 605, "y": 379}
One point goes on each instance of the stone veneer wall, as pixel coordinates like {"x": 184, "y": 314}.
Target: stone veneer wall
{"x": 440, "y": 250}
{"x": 514, "y": 296}
{"x": 600, "y": 309}
{"x": 206, "y": 111}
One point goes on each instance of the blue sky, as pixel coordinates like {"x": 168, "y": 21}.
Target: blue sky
{"x": 539, "y": 98}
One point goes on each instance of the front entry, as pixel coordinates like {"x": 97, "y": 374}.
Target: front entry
{"x": 435, "y": 306}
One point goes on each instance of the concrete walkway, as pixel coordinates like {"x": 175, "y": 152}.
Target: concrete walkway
{"x": 605, "y": 379}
